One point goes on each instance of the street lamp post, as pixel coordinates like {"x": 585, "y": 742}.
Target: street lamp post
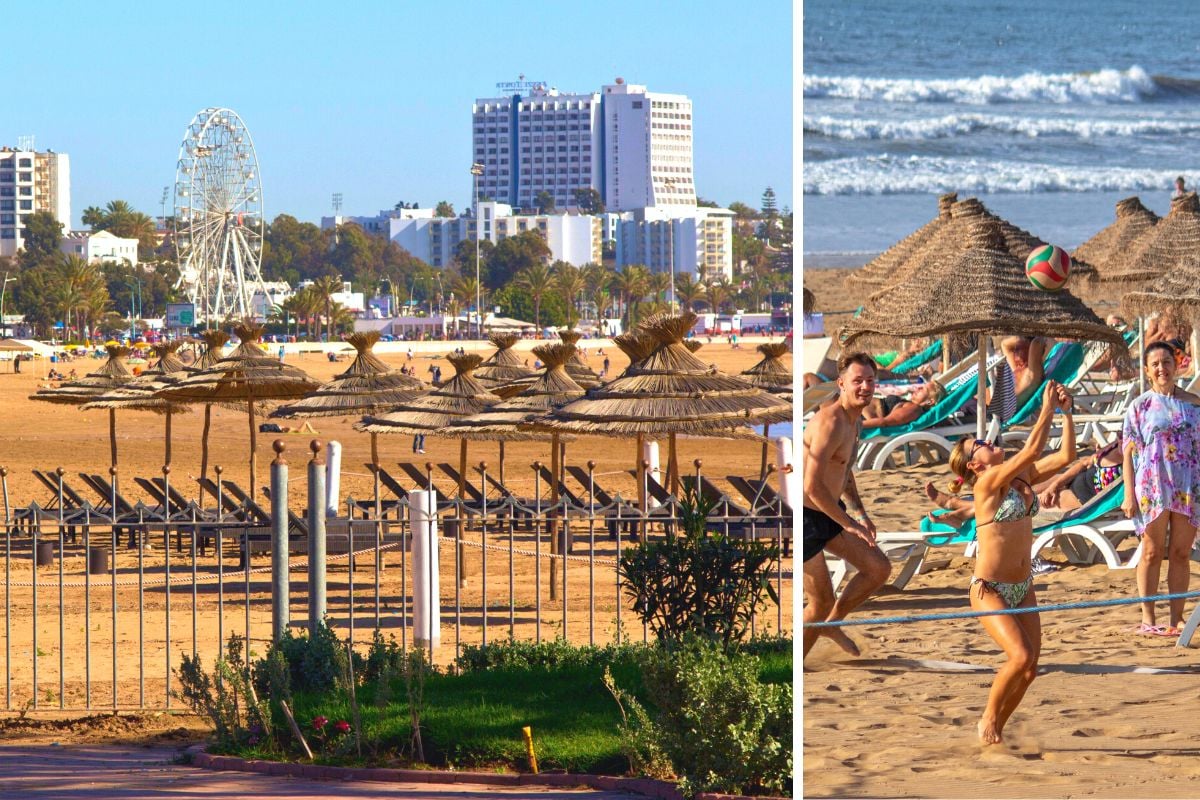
{"x": 476, "y": 171}
{"x": 3, "y": 287}
{"x": 670, "y": 184}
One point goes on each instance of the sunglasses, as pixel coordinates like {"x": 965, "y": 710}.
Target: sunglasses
{"x": 978, "y": 443}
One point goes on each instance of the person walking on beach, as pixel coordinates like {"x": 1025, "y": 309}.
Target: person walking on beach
{"x": 830, "y": 441}
{"x": 1005, "y": 504}
{"x": 1162, "y": 469}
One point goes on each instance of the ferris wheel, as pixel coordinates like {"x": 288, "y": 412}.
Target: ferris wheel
{"x": 218, "y": 216}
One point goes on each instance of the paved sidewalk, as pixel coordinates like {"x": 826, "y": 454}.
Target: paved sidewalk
{"x": 103, "y": 771}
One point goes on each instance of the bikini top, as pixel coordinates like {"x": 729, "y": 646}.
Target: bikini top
{"x": 1012, "y": 507}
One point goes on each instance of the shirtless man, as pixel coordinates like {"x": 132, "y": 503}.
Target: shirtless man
{"x": 830, "y": 441}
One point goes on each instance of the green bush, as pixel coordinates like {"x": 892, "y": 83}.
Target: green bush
{"x": 701, "y": 582}
{"x": 550, "y": 654}
{"x": 315, "y": 663}
{"x": 721, "y": 728}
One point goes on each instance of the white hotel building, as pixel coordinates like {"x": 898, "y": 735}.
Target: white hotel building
{"x": 29, "y": 182}
{"x": 632, "y": 146}
{"x": 574, "y": 238}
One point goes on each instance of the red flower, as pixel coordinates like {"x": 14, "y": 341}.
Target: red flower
{"x": 319, "y": 722}
{"x": 341, "y": 726}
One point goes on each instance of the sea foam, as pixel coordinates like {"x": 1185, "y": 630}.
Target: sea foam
{"x": 1133, "y": 85}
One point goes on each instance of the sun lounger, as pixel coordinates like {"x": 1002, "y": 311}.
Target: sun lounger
{"x": 615, "y": 514}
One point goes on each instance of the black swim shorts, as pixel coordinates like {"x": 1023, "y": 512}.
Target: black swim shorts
{"x": 819, "y": 528}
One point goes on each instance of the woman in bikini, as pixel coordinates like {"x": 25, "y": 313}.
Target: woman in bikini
{"x": 1004, "y": 507}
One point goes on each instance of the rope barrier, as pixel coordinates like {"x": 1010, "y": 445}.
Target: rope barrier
{"x": 1120, "y": 601}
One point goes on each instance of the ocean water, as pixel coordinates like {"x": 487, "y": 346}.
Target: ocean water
{"x": 1049, "y": 113}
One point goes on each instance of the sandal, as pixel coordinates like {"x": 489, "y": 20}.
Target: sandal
{"x": 1153, "y": 630}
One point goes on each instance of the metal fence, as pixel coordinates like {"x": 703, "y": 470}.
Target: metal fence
{"x": 124, "y": 589}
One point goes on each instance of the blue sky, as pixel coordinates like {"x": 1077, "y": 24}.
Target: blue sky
{"x": 373, "y": 100}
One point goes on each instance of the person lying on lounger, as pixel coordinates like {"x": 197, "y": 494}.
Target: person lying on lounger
{"x": 275, "y": 427}
{"x": 884, "y": 412}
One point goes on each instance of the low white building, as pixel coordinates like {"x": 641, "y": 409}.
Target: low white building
{"x": 697, "y": 241}
{"x": 378, "y": 224}
{"x": 97, "y": 246}
{"x": 575, "y": 238}
{"x": 273, "y": 293}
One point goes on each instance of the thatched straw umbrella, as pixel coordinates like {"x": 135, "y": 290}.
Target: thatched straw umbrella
{"x": 432, "y": 413}
{"x": 504, "y": 366}
{"x": 577, "y": 366}
{"x": 367, "y": 386}
{"x": 214, "y": 350}
{"x": 141, "y": 392}
{"x": 1169, "y": 245}
{"x": 499, "y": 422}
{"x": 671, "y": 392}
{"x": 247, "y": 375}
{"x": 1112, "y": 246}
{"x": 879, "y": 270}
{"x": 771, "y": 374}
{"x": 112, "y": 374}
{"x": 982, "y": 291}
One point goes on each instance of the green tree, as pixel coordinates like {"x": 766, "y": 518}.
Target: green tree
{"x": 587, "y": 200}
{"x": 43, "y": 234}
{"x": 569, "y": 282}
{"x": 544, "y": 201}
{"x": 534, "y": 280}
{"x": 517, "y": 303}
{"x": 718, "y": 293}
{"x": 657, "y": 286}
{"x": 293, "y": 250}
{"x": 741, "y": 211}
{"x": 631, "y": 283}
{"x": 513, "y": 255}
{"x": 464, "y": 260}
{"x": 597, "y": 280}
{"x": 688, "y": 291}
{"x": 770, "y": 212}
{"x": 324, "y": 288}
{"x": 702, "y": 202}
{"x": 121, "y": 219}
{"x": 443, "y": 209}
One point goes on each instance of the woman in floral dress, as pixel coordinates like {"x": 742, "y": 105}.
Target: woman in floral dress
{"x": 1162, "y": 478}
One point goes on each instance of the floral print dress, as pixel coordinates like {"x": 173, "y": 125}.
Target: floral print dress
{"x": 1165, "y": 435}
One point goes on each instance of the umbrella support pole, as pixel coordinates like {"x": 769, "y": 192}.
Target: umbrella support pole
{"x": 762, "y": 469}
{"x": 167, "y": 456}
{"x": 981, "y": 389}
{"x": 673, "y": 467}
{"x": 1141, "y": 355}
{"x": 253, "y": 445}
{"x": 945, "y": 354}
{"x": 462, "y": 523}
{"x": 375, "y": 450}
{"x": 552, "y": 518}
{"x": 112, "y": 435}
{"x": 501, "y": 462}
{"x": 641, "y": 492}
{"x": 204, "y": 443}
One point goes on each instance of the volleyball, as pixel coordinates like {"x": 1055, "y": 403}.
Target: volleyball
{"x": 1048, "y": 268}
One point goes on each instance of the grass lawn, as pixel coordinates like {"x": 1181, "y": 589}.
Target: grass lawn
{"x": 474, "y": 720}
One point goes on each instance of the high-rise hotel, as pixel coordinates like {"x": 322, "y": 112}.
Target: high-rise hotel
{"x": 29, "y": 182}
{"x": 631, "y": 145}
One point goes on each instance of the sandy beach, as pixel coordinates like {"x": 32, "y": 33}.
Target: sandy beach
{"x": 1107, "y": 717}
{"x": 47, "y": 436}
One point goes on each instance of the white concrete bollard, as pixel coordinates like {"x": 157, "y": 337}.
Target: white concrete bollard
{"x": 333, "y": 479}
{"x": 427, "y": 612}
{"x": 650, "y": 454}
{"x": 789, "y": 480}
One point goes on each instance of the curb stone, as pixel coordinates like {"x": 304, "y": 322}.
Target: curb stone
{"x": 660, "y": 790}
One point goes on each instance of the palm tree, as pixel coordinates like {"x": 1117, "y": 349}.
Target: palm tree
{"x": 325, "y": 288}
{"x": 658, "y": 284}
{"x": 718, "y": 293}
{"x": 569, "y": 282}
{"x": 339, "y": 316}
{"x": 306, "y": 305}
{"x": 631, "y": 281}
{"x": 534, "y": 280}
{"x": 464, "y": 286}
{"x": 688, "y": 291}
{"x": 596, "y": 282}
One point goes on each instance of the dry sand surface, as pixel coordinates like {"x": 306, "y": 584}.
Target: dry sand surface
{"x": 1110, "y": 715}
{"x": 44, "y": 436}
